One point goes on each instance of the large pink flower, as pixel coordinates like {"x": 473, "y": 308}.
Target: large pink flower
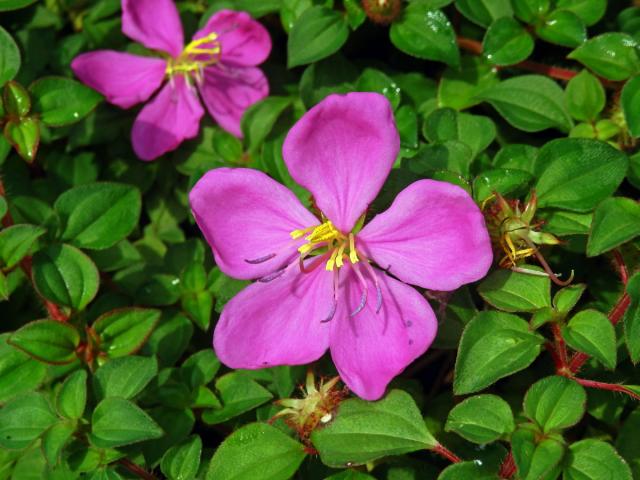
{"x": 324, "y": 283}
{"x": 220, "y": 61}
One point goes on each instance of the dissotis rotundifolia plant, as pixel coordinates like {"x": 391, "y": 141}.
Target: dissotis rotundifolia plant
{"x": 410, "y": 228}
{"x": 219, "y": 63}
{"x": 316, "y": 287}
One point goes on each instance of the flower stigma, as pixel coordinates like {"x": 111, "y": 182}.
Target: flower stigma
{"x": 198, "y": 54}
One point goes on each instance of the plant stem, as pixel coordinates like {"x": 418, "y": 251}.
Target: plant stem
{"x": 613, "y": 387}
{"x": 508, "y": 468}
{"x": 446, "y": 453}
{"x": 136, "y": 469}
{"x": 475, "y": 47}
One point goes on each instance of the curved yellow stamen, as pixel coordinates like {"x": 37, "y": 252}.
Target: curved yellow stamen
{"x": 331, "y": 240}
{"x": 192, "y": 59}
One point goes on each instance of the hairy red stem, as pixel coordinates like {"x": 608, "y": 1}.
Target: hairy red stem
{"x": 446, "y": 453}
{"x": 613, "y": 387}
{"x": 136, "y": 469}
{"x": 475, "y": 47}
{"x": 508, "y": 468}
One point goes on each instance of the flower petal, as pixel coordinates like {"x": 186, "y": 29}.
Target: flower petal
{"x": 276, "y": 323}
{"x": 369, "y": 349}
{"x": 433, "y": 236}
{"x": 124, "y": 79}
{"x": 245, "y": 215}
{"x": 342, "y": 151}
{"x": 154, "y": 23}
{"x": 243, "y": 40}
{"x": 171, "y": 117}
{"x": 229, "y": 91}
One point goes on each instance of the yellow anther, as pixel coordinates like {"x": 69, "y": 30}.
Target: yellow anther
{"x": 332, "y": 260}
{"x": 300, "y": 233}
{"x": 191, "y": 59}
{"x": 324, "y": 233}
{"x": 353, "y": 255}
{"x": 340, "y": 251}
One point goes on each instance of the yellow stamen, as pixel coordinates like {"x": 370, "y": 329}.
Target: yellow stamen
{"x": 340, "y": 250}
{"x": 191, "y": 61}
{"x": 332, "y": 260}
{"x": 353, "y": 255}
{"x": 328, "y": 240}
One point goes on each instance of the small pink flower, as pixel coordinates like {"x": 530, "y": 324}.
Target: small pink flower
{"x": 220, "y": 60}
{"x": 324, "y": 283}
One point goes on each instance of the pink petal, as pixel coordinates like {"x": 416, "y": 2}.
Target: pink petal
{"x": 369, "y": 349}
{"x": 245, "y": 215}
{"x": 124, "y": 79}
{"x": 276, "y": 323}
{"x": 229, "y": 91}
{"x": 433, "y": 236}
{"x": 243, "y": 40}
{"x": 154, "y": 23}
{"x": 171, "y": 117}
{"x": 342, "y": 151}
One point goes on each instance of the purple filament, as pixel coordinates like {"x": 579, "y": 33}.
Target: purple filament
{"x": 261, "y": 259}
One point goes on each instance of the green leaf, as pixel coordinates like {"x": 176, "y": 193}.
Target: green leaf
{"x": 72, "y": 396}
{"x": 584, "y": 96}
{"x": 577, "y": 174}
{"x": 24, "y": 135}
{"x": 257, "y": 451}
{"x": 19, "y": 372}
{"x": 506, "y": 42}
{"x": 530, "y": 10}
{"x": 124, "y": 377}
{"x": 567, "y": 298}
{"x": 445, "y": 124}
{"x": 481, "y": 419}
{"x": 181, "y": 462}
{"x": 530, "y": 103}
{"x": 14, "y": 4}
{"x": 632, "y": 319}
{"x": 365, "y": 431}
{"x": 615, "y": 221}
{"x": 259, "y": 119}
{"x": 537, "y": 458}
{"x": 9, "y": 57}
{"x": 62, "y": 101}
{"x": 116, "y": 422}
{"x": 590, "y": 11}
{"x": 47, "y": 340}
{"x": 563, "y": 223}
{"x": 16, "y": 242}
{"x": 611, "y": 55}
{"x": 484, "y": 12}
{"x": 555, "y": 403}
{"x": 562, "y": 27}
{"x": 318, "y": 33}
{"x": 55, "y": 439}
{"x": 594, "y": 460}
{"x": 425, "y": 33}
{"x": 466, "y": 471}
{"x": 24, "y": 419}
{"x": 459, "y": 87}
{"x": 493, "y": 345}
{"x": 591, "y": 332}
{"x": 516, "y": 292}
{"x": 505, "y": 181}
{"x": 123, "y": 332}
{"x": 239, "y": 394}
{"x": 16, "y": 100}
{"x": 372, "y": 80}
{"x": 98, "y": 215}
{"x": 200, "y": 368}
{"x": 65, "y": 276}
{"x": 630, "y": 101}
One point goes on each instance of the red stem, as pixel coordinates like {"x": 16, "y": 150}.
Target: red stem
{"x": 561, "y": 347}
{"x": 613, "y": 387}
{"x": 508, "y": 468}
{"x": 136, "y": 469}
{"x": 446, "y": 453}
{"x": 53, "y": 310}
{"x": 475, "y": 47}
{"x": 622, "y": 267}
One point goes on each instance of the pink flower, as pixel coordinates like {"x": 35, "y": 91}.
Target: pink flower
{"x": 220, "y": 60}
{"x": 324, "y": 283}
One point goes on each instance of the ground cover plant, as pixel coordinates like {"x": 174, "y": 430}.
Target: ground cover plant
{"x": 320, "y": 239}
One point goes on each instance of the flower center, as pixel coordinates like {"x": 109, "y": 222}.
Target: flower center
{"x": 338, "y": 246}
{"x": 200, "y": 53}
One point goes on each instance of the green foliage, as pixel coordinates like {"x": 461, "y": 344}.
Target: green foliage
{"x": 110, "y": 293}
